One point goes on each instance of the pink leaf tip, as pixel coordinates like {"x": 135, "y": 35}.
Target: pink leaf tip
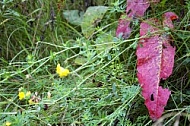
{"x": 168, "y": 18}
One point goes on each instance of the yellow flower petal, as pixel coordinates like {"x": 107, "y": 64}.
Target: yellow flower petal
{"x": 28, "y": 93}
{"x": 31, "y": 102}
{"x": 58, "y": 68}
{"x": 64, "y": 73}
{"x": 21, "y": 95}
{"x": 61, "y": 71}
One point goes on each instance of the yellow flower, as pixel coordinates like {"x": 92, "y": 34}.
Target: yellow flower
{"x": 61, "y": 71}
{"x": 7, "y": 123}
{"x": 28, "y": 93}
{"x": 31, "y": 102}
{"x": 21, "y": 95}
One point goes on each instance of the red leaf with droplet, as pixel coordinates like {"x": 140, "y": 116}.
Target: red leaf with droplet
{"x": 135, "y": 8}
{"x": 155, "y": 60}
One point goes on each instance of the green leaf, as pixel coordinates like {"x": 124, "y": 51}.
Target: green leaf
{"x": 74, "y": 17}
{"x": 92, "y": 16}
{"x": 104, "y": 41}
{"x": 80, "y": 60}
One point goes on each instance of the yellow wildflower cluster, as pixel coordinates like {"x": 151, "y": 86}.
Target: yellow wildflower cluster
{"x": 62, "y": 72}
{"x": 23, "y": 94}
{"x": 32, "y": 99}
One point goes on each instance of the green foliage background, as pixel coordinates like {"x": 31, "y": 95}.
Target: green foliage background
{"x": 102, "y": 88}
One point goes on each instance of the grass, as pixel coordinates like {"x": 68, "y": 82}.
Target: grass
{"x": 102, "y": 87}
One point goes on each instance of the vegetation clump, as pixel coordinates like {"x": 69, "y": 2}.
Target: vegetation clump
{"x": 61, "y": 63}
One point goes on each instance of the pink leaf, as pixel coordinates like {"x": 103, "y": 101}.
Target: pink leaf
{"x": 168, "y": 17}
{"x": 156, "y": 106}
{"x": 147, "y": 26}
{"x": 135, "y": 8}
{"x": 168, "y": 53}
{"x": 123, "y": 28}
{"x": 155, "y": 60}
